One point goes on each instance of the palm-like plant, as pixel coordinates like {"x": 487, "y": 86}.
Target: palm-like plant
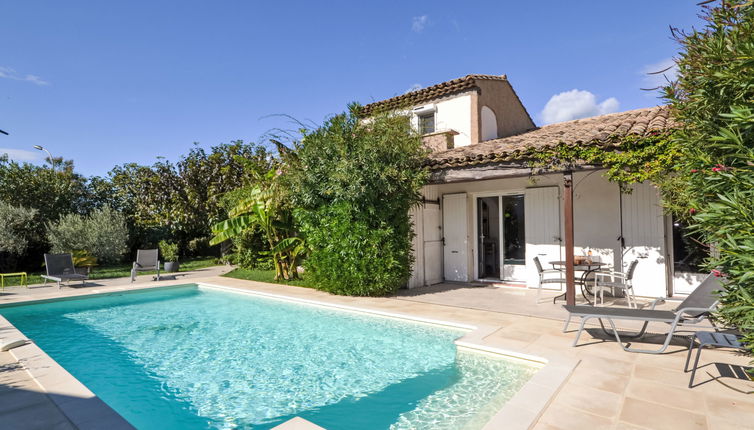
{"x": 264, "y": 208}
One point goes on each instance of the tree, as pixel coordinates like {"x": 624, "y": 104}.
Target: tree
{"x": 265, "y": 206}
{"x": 353, "y": 182}
{"x": 713, "y": 190}
{"x": 103, "y": 234}
{"x": 15, "y": 233}
{"x": 182, "y": 200}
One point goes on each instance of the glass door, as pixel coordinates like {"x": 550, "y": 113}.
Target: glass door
{"x": 514, "y": 238}
{"x": 501, "y": 241}
{"x": 488, "y": 243}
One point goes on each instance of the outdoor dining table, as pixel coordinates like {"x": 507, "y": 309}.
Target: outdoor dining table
{"x": 586, "y": 269}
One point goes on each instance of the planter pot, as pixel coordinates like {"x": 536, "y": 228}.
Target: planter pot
{"x": 171, "y": 266}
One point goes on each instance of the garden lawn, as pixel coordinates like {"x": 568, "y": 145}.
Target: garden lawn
{"x": 263, "y": 276}
{"x": 120, "y": 271}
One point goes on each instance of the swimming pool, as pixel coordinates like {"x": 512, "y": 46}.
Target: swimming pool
{"x": 199, "y": 357}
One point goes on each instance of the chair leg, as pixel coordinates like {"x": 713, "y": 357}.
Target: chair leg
{"x": 567, "y": 321}
{"x": 696, "y": 364}
{"x": 688, "y": 357}
{"x": 581, "y": 329}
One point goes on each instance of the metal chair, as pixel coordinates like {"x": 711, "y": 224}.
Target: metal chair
{"x": 543, "y": 279}
{"x": 616, "y": 281}
{"x": 59, "y": 268}
{"x": 146, "y": 260}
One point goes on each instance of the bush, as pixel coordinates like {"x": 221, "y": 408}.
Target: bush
{"x": 352, "y": 256}
{"x": 353, "y": 183}
{"x": 169, "y": 251}
{"x": 103, "y": 234}
{"x": 15, "y": 232}
{"x": 713, "y": 99}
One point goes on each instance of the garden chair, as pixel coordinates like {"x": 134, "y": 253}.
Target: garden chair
{"x": 59, "y": 268}
{"x": 616, "y": 281}
{"x": 693, "y": 310}
{"x": 146, "y": 260}
{"x": 544, "y": 279}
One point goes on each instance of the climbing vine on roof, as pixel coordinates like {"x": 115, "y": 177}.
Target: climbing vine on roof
{"x": 627, "y": 160}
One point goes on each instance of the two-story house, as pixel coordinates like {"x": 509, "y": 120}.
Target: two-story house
{"x": 486, "y": 215}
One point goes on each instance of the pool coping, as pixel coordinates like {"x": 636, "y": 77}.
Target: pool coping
{"x": 86, "y": 411}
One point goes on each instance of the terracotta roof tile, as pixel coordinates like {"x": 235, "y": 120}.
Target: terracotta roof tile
{"x": 412, "y": 98}
{"x": 599, "y": 130}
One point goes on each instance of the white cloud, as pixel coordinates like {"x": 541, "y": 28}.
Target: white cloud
{"x": 22, "y": 154}
{"x": 413, "y": 88}
{"x": 652, "y": 79}
{"x": 8, "y": 73}
{"x": 576, "y": 104}
{"x": 418, "y": 23}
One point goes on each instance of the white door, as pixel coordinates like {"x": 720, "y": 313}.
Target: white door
{"x": 432, "y": 244}
{"x": 455, "y": 237}
{"x": 543, "y": 236}
{"x": 643, "y": 233}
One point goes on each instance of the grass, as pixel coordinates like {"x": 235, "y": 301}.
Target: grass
{"x": 120, "y": 271}
{"x": 263, "y": 276}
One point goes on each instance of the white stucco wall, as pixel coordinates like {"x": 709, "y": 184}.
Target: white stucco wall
{"x": 597, "y": 223}
{"x": 454, "y": 113}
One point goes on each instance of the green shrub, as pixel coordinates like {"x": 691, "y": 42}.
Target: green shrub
{"x": 16, "y": 224}
{"x": 169, "y": 251}
{"x": 353, "y": 183}
{"x": 713, "y": 99}
{"x": 352, "y": 256}
{"x": 103, "y": 234}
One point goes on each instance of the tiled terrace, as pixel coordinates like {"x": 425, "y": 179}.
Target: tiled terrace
{"x": 609, "y": 388}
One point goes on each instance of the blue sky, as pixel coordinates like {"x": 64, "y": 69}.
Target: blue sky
{"x": 105, "y": 83}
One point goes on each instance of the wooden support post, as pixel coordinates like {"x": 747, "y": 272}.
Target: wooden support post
{"x": 568, "y": 217}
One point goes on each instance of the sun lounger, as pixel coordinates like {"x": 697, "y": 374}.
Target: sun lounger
{"x": 694, "y": 309}
{"x": 146, "y": 260}
{"x": 60, "y": 269}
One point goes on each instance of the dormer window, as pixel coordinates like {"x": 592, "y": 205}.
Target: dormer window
{"x": 427, "y": 123}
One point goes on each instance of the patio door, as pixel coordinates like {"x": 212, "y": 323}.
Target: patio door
{"x": 687, "y": 254}
{"x": 643, "y": 233}
{"x": 455, "y": 240}
{"x": 501, "y": 243}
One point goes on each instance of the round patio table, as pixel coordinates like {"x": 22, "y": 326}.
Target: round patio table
{"x": 586, "y": 268}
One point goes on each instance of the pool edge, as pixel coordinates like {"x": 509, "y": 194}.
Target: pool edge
{"x": 75, "y": 401}
{"x": 520, "y": 412}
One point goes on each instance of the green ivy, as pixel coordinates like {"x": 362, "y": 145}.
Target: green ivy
{"x": 627, "y": 160}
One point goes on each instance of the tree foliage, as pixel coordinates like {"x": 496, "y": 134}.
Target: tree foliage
{"x": 713, "y": 98}
{"x": 264, "y": 206}
{"x": 182, "y": 200}
{"x": 103, "y": 234}
{"x": 354, "y": 181}
{"x": 15, "y": 233}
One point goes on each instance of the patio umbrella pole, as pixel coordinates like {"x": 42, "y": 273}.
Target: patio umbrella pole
{"x": 568, "y": 216}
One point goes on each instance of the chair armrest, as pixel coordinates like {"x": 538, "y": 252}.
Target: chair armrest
{"x": 610, "y": 274}
{"x": 552, "y": 271}
{"x": 656, "y": 302}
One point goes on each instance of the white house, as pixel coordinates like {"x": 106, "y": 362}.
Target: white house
{"x": 486, "y": 215}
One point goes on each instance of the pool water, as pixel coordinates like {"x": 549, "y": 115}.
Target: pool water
{"x": 203, "y": 358}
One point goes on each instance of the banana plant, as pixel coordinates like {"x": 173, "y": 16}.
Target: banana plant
{"x": 262, "y": 208}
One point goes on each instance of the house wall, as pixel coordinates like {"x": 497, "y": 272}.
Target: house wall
{"x": 454, "y": 114}
{"x": 597, "y": 224}
{"x": 511, "y": 115}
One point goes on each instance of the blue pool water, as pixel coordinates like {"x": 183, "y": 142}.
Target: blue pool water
{"x": 203, "y": 358}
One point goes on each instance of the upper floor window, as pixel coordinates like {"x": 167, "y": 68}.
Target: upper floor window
{"x": 427, "y": 123}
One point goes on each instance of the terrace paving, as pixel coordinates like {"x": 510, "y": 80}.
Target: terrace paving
{"x": 609, "y": 388}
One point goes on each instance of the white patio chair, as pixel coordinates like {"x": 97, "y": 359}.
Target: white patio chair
{"x": 616, "y": 281}
{"x": 545, "y": 279}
